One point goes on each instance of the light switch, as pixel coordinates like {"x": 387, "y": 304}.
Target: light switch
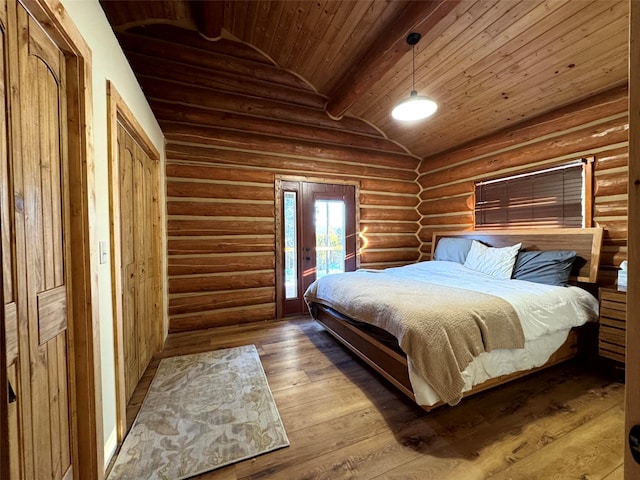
{"x": 103, "y": 252}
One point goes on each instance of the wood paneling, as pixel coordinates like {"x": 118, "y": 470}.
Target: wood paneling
{"x": 596, "y": 127}
{"x": 417, "y": 17}
{"x": 498, "y": 63}
{"x": 143, "y": 9}
{"x": 224, "y": 150}
{"x": 489, "y": 64}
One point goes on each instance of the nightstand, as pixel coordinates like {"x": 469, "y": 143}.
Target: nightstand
{"x": 613, "y": 310}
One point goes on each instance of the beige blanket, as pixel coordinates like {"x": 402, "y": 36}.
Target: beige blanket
{"x": 440, "y": 328}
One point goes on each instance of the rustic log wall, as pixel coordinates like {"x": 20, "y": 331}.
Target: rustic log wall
{"x": 233, "y": 122}
{"x": 595, "y": 127}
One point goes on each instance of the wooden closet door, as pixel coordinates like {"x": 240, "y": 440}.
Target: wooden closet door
{"x": 129, "y": 271}
{"x": 138, "y": 247}
{"x": 143, "y": 246}
{"x": 46, "y": 421}
{"x": 9, "y": 280}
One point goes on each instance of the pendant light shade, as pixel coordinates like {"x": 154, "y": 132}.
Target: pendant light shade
{"x": 414, "y": 107}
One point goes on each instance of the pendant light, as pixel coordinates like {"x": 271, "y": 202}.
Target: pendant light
{"x": 415, "y": 107}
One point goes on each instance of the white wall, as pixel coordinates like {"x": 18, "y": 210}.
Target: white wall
{"x": 108, "y": 63}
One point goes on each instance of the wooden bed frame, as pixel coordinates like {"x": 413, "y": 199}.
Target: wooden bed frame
{"x": 392, "y": 365}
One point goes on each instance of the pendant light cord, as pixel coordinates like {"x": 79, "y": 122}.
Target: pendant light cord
{"x": 412, "y": 39}
{"x": 413, "y": 64}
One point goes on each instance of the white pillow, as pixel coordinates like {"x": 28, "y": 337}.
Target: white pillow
{"x": 497, "y": 262}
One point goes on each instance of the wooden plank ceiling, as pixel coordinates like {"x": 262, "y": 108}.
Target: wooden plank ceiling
{"x": 488, "y": 63}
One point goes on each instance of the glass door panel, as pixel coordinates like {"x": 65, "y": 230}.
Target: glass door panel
{"x": 330, "y": 237}
{"x": 290, "y": 245}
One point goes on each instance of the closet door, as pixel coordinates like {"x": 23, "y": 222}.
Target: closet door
{"x": 129, "y": 270}
{"x": 41, "y": 204}
{"x": 138, "y": 248}
{"x": 9, "y": 283}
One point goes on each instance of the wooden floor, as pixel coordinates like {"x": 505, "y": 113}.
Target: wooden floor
{"x": 345, "y": 421}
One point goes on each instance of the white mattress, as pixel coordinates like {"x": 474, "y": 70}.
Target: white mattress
{"x": 546, "y": 312}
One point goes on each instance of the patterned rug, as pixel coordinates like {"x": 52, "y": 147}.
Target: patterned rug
{"x": 202, "y": 412}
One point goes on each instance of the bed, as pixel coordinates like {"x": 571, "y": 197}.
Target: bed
{"x": 463, "y": 327}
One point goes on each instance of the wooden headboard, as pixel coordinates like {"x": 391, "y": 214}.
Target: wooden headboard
{"x": 585, "y": 241}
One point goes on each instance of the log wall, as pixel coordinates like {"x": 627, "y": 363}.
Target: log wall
{"x": 595, "y": 127}
{"x": 233, "y": 122}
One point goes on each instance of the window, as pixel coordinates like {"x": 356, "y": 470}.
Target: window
{"x": 553, "y": 197}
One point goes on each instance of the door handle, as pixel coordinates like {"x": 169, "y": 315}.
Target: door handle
{"x": 10, "y": 393}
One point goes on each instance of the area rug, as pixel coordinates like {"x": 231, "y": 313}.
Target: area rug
{"x": 202, "y": 412}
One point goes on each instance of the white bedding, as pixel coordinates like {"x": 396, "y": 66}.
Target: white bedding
{"x": 542, "y": 309}
{"x": 546, "y": 312}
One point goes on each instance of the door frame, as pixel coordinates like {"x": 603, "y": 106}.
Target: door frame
{"x": 119, "y": 112}
{"x": 632, "y": 383}
{"x": 4, "y": 407}
{"x": 84, "y": 341}
{"x": 279, "y": 260}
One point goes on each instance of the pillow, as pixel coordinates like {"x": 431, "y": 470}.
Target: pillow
{"x": 497, "y": 262}
{"x": 452, "y": 249}
{"x": 551, "y": 268}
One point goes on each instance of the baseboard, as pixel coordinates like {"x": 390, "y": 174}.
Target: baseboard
{"x": 110, "y": 446}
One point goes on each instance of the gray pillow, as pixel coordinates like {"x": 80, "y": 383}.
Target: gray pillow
{"x": 451, "y": 249}
{"x": 551, "y": 268}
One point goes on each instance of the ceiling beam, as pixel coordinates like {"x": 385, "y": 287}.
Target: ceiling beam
{"x": 126, "y": 14}
{"x": 385, "y": 52}
{"x": 209, "y": 17}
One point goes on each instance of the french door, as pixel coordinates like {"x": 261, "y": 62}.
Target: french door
{"x": 318, "y": 237}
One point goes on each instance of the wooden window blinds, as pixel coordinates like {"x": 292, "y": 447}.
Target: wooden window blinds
{"x": 553, "y": 197}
